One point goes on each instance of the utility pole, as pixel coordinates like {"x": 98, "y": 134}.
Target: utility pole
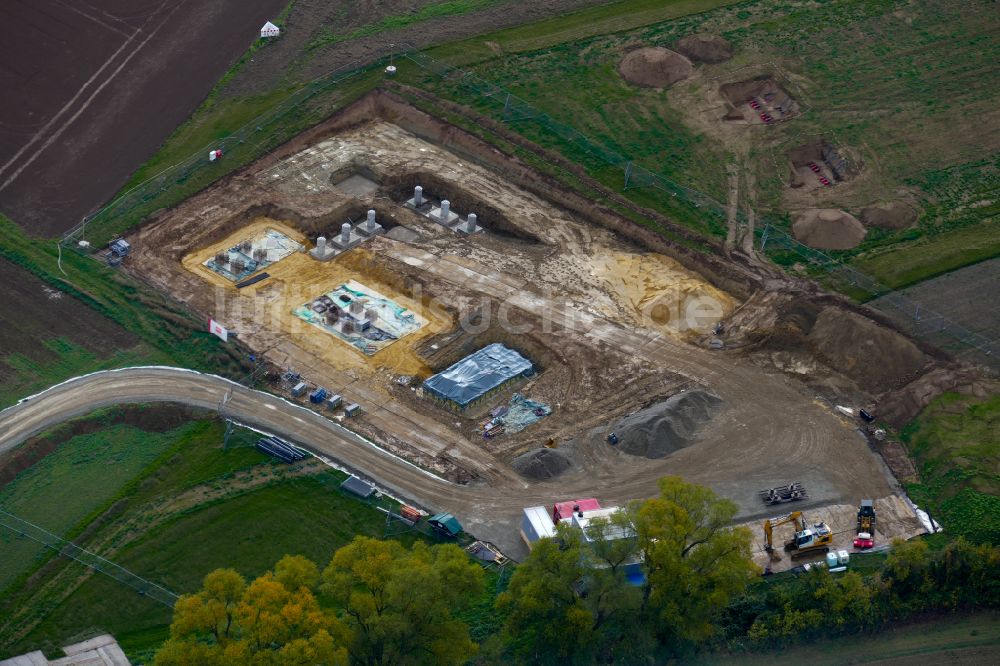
{"x": 229, "y": 423}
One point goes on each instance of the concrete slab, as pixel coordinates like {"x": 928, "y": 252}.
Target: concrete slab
{"x": 36, "y": 658}
{"x": 448, "y": 220}
{"x": 370, "y": 230}
{"x": 354, "y": 240}
{"x": 357, "y": 186}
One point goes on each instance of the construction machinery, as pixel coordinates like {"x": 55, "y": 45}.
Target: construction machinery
{"x": 866, "y": 525}
{"x": 806, "y": 540}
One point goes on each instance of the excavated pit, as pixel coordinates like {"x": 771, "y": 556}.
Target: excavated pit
{"x": 817, "y": 165}
{"x": 771, "y": 100}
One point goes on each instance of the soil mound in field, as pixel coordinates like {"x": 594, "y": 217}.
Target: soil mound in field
{"x": 705, "y": 48}
{"x": 541, "y": 464}
{"x": 828, "y": 229}
{"x": 891, "y": 215}
{"x": 654, "y": 67}
{"x": 876, "y": 357}
{"x": 666, "y": 427}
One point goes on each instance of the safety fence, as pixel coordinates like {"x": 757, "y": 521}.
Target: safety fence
{"x": 499, "y": 103}
{"x": 305, "y": 108}
{"x": 25, "y": 529}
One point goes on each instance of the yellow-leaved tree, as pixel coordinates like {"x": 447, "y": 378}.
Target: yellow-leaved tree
{"x": 273, "y": 620}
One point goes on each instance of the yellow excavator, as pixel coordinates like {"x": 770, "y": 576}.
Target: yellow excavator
{"x": 806, "y": 541}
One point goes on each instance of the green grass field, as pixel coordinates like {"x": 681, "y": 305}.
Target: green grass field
{"x": 190, "y": 507}
{"x": 249, "y": 532}
{"x": 71, "y": 483}
{"x": 962, "y": 639}
{"x": 600, "y": 20}
{"x": 66, "y": 359}
{"x": 906, "y": 90}
{"x": 956, "y": 444}
{"x": 168, "y": 333}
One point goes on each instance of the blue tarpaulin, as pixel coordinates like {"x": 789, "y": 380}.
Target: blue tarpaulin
{"x": 478, "y": 374}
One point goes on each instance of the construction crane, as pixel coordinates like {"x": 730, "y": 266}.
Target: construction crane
{"x": 807, "y": 540}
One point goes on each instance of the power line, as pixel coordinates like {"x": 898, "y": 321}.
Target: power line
{"x": 143, "y": 586}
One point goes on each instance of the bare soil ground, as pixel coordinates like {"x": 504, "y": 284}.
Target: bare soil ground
{"x": 654, "y": 67}
{"x": 749, "y": 100}
{"x": 93, "y": 88}
{"x": 605, "y": 320}
{"x": 33, "y": 313}
{"x": 889, "y": 215}
{"x": 705, "y": 48}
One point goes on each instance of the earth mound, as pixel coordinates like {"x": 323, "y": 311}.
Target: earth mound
{"x": 666, "y": 427}
{"x": 705, "y": 48}
{"x": 891, "y": 215}
{"x": 654, "y": 67}
{"x": 541, "y": 464}
{"x": 828, "y": 229}
{"x": 876, "y": 357}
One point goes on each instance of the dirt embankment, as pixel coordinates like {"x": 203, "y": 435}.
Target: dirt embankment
{"x": 870, "y": 354}
{"x": 654, "y": 67}
{"x": 900, "y": 407}
{"x": 876, "y": 357}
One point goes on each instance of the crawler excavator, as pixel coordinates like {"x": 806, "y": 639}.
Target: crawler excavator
{"x": 806, "y": 541}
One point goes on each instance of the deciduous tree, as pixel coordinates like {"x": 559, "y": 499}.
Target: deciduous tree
{"x": 269, "y": 621}
{"x": 695, "y": 560}
{"x": 398, "y": 605}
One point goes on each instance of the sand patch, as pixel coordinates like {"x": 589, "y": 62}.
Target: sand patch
{"x": 265, "y": 311}
{"x": 654, "y": 67}
{"x": 660, "y": 293}
{"x": 828, "y": 229}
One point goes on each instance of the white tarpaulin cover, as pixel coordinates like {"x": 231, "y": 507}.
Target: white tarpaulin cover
{"x": 477, "y": 374}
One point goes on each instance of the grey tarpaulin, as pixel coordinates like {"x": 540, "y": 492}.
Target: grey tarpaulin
{"x": 478, "y": 374}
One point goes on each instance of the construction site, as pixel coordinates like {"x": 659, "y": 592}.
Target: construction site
{"x": 505, "y": 334}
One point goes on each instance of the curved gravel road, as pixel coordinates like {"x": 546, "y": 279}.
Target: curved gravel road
{"x": 490, "y": 510}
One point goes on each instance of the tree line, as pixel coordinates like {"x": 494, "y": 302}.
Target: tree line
{"x": 658, "y": 579}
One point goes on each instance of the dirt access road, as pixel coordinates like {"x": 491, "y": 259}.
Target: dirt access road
{"x": 92, "y": 88}
{"x": 491, "y": 509}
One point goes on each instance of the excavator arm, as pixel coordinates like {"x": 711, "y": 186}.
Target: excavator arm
{"x": 769, "y": 525}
